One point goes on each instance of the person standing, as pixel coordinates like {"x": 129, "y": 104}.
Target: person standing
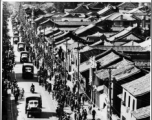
{"x": 84, "y": 114}
{"x": 50, "y": 88}
{"x": 93, "y": 113}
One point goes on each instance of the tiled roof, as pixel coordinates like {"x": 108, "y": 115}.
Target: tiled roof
{"x": 47, "y": 21}
{"x": 91, "y": 29}
{"x": 145, "y": 43}
{"x": 108, "y": 34}
{"x": 127, "y": 4}
{"x": 131, "y": 43}
{"x": 115, "y": 16}
{"x": 68, "y": 28}
{"x": 85, "y": 66}
{"x": 61, "y": 35}
{"x": 74, "y": 45}
{"x": 57, "y": 34}
{"x": 120, "y": 48}
{"x": 86, "y": 48}
{"x": 106, "y": 43}
{"x": 79, "y": 28}
{"x": 48, "y": 32}
{"x": 136, "y": 10}
{"x": 126, "y": 73}
{"x": 123, "y": 70}
{"x": 62, "y": 41}
{"x": 80, "y": 9}
{"x": 142, "y": 64}
{"x": 41, "y": 20}
{"x": 97, "y": 43}
{"x": 141, "y": 113}
{"x": 84, "y": 56}
{"x": 121, "y": 33}
{"x": 71, "y": 15}
{"x": 70, "y": 23}
{"x": 109, "y": 58}
{"x": 106, "y": 9}
{"x": 125, "y": 33}
{"x": 96, "y": 5}
{"x": 116, "y": 28}
{"x": 104, "y": 60}
{"x": 97, "y": 34}
{"x": 84, "y": 29}
{"x": 139, "y": 86}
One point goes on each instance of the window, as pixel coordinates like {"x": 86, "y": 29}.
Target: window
{"x": 129, "y": 102}
{"x": 124, "y": 96}
{"x": 133, "y": 105}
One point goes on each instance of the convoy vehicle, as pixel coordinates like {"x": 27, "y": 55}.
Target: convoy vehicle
{"x": 33, "y": 105}
{"x": 28, "y": 71}
{"x": 24, "y": 57}
{"x": 21, "y": 46}
{"x": 15, "y": 39}
{"x": 16, "y": 32}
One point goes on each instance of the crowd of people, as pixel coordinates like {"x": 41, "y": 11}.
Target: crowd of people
{"x": 7, "y": 67}
{"x": 65, "y": 95}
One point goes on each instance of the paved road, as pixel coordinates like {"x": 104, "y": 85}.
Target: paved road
{"x": 18, "y": 110}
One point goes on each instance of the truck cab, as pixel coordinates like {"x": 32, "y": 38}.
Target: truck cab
{"x": 33, "y": 105}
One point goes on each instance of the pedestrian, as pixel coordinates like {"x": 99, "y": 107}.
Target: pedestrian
{"x": 93, "y": 113}
{"x": 83, "y": 99}
{"x": 46, "y": 86}
{"x": 84, "y": 114}
{"x": 50, "y": 88}
{"x": 75, "y": 115}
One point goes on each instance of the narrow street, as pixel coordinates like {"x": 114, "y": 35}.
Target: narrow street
{"x": 76, "y": 60}
{"x": 48, "y": 105}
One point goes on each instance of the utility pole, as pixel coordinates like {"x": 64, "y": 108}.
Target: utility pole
{"x": 110, "y": 92}
{"x": 110, "y": 111}
{"x": 65, "y": 61}
{"x": 52, "y": 50}
{"x": 78, "y": 73}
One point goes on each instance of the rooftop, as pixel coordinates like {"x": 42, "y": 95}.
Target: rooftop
{"x": 139, "y": 86}
{"x": 125, "y": 33}
{"x": 75, "y": 45}
{"x": 124, "y": 69}
{"x": 96, "y": 5}
{"x": 70, "y": 23}
{"x": 80, "y": 9}
{"x": 141, "y": 113}
{"x": 90, "y": 29}
{"x": 131, "y": 43}
{"x": 121, "y": 16}
{"x": 105, "y": 9}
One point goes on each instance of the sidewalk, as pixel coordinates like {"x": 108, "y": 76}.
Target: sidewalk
{"x": 10, "y": 102}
